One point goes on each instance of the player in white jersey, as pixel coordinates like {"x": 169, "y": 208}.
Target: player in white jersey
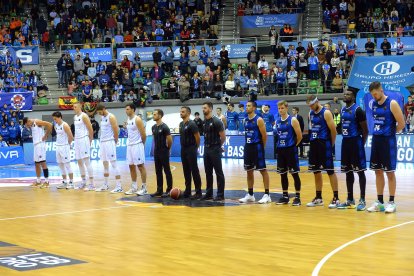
{"x": 135, "y": 150}
{"x": 83, "y": 139}
{"x": 108, "y": 141}
{"x": 64, "y": 139}
{"x": 40, "y": 132}
{"x": 221, "y": 117}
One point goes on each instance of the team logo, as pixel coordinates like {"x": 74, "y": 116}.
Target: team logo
{"x": 259, "y": 21}
{"x": 127, "y": 53}
{"x": 18, "y": 101}
{"x": 386, "y": 68}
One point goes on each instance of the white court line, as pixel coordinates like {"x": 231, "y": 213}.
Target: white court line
{"x": 65, "y": 213}
{"x": 318, "y": 267}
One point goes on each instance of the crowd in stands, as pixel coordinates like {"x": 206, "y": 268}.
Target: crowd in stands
{"x": 11, "y": 130}
{"x": 249, "y": 7}
{"x": 391, "y": 18}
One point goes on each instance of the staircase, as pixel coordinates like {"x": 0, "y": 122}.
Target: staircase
{"x": 228, "y": 22}
{"x": 312, "y": 20}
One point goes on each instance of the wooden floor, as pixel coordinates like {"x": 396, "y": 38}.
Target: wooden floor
{"x": 150, "y": 239}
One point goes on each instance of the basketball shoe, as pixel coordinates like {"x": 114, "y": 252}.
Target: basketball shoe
{"x": 376, "y": 207}
{"x": 315, "y": 202}
{"x": 265, "y": 199}
{"x": 247, "y": 198}
{"x": 391, "y": 207}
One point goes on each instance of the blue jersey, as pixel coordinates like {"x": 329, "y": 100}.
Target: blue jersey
{"x": 252, "y": 132}
{"x": 241, "y": 116}
{"x": 232, "y": 118}
{"x": 350, "y": 124}
{"x": 384, "y": 121}
{"x": 318, "y": 128}
{"x": 285, "y": 132}
{"x": 268, "y": 119}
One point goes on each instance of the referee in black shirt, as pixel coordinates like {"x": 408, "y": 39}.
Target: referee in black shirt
{"x": 162, "y": 146}
{"x": 214, "y": 138}
{"x": 190, "y": 141}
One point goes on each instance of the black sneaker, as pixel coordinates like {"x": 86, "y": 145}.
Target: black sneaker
{"x": 165, "y": 195}
{"x": 219, "y": 198}
{"x": 196, "y": 196}
{"x": 283, "y": 200}
{"x": 207, "y": 197}
{"x": 296, "y": 202}
{"x": 156, "y": 194}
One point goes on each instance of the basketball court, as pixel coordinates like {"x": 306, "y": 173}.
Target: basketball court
{"x": 69, "y": 232}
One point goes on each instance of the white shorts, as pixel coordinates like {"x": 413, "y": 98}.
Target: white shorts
{"x": 108, "y": 150}
{"x": 82, "y": 148}
{"x": 136, "y": 154}
{"x": 62, "y": 154}
{"x": 39, "y": 152}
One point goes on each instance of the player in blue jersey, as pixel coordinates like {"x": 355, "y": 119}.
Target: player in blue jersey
{"x": 322, "y": 135}
{"x": 268, "y": 118}
{"x": 388, "y": 119}
{"x": 254, "y": 155}
{"x": 289, "y": 134}
{"x": 354, "y": 136}
{"x": 232, "y": 120}
{"x": 241, "y": 116}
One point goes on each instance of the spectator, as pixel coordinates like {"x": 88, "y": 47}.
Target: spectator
{"x": 78, "y": 65}
{"x": 172, "y": 86}
{"x": 253, "y": 57}
{"x": 195, "y": 84}
{"x": 4, "y": 131}
{"x": 207, "y": 86}
{"x": 224, "y": 57}
{"x": 386, "y": 47}
{"x": 155, "y": 90}
{"x": 281, "y": 62}
{"x": 337, "y": 83}
{"x": 193, "y": 61}
{"x": 169, "y": 59}
{"x": 263, "y": 64}
{"x": 156, "y": 56}
{"x": 292, "y": 77}
{"x": 183, "y": 89}
{"x": 157, "y": 72}
{"x": 313, "y": 66}
{"x": 14, "y": 131}
{"x": 280, "y": 81}
{"x": 400, "y": 47}
{"x": 3, "y": 143}
{"x": 68, "y": 68}
{"x": 370, "y": 47}
{"x": 125, "y": 63}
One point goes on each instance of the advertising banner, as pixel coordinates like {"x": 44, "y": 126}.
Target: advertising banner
{"x": 27, "y": 55}
{"x": 95, "y": 54}
{"x": 11, "y": 156}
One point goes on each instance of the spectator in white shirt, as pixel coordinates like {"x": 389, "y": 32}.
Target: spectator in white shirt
{"x": 263, "y": 64}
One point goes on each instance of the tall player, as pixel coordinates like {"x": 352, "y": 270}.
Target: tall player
{"x": 108, "y": 141}
{"x": 354, "y": 136}
{"x": 322, "y": 138}
{"x": 83, "y": 139}
{"x": 232, "y": 119}
{"x": 254, "y": 155}
{"x": 40, "y": 132}
{"x": 289, "y": 136}
{"x": 135, "y": 150}
{"x": 64, "y": 139}
{"x": 388, "y": 119}
{"x": 241, "y": 116}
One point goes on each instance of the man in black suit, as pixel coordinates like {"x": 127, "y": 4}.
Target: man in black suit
{"x": 295, "y": 113}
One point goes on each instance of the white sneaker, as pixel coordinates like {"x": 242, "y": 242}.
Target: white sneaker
{"x": 376, "y": 207}
{"x": 391, "y": 207}
{"x": 247, "y": 198}
{"x": 117, "y": 190}
{"x": 80, "y": 186}
{"x": 334, "y": 203}
{"x": 143, "y": 191}
{"x": 103, "y": 188}
{"x": 89, "y": 188}
{"x": 315, "y": 202}
{"x": 63, "y": 185}
{"x": 265, "y": 199}
{"x": 70, "y": 186}
{"x": 131, "y": 191}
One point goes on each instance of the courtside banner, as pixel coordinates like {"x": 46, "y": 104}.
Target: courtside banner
{"x": 235, "y": 51}
{"x": 27, "y": 55}
{"x": 18, "y": 100}
{"x": 95, "y": 150}
{"x": 253, "y": 25}
{"x": 385, "y": 69}
{"x": 405, "y": 148}
{"x": 11, "y": 156}
{"x": 95, "y": 54}
{"x": 407, "y": 41}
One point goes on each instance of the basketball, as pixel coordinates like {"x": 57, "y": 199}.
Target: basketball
{"x": 175, "y": 193}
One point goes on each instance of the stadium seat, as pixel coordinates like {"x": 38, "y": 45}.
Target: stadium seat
{"x": 165, "y": 81}
{"x": 314, "y": 83}
{"x": 320, "y": 90}
{"x": 302, "y": 91}
{"x": 312, "y": 90}
{"x": 303, "y": 83}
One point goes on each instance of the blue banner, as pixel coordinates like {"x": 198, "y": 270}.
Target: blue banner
{"x": 408, "y": 42}
{"x": 385, "y": 69}
{"x": 27, "y": 55}
{"x": 11, "y": 156}
{"x": 387, "y": 87}
{"x": 235, "y": 51}
{"x": 95, "y": 54}
{"x": 405, "y": 148}
{"x": 368, "y": 101}
{"x": 19, "y": 100}
{"x": 268, "y": 20}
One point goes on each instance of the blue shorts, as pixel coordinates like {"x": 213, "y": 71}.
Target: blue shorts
{"x": 353, "y": 155}
{"x": 384, "y": 153}
{"x": 254, "y": 157}
{"x": 320, "y": 156}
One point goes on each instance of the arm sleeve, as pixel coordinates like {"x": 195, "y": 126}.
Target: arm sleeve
{"x": 360, "y": 115}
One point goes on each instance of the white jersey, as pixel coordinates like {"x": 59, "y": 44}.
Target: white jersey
{"x": 134, "y": 136}
{"x": 80, "y": 127}
{"x": 37, "y": 133}
{"x": 61, "y": 135}
{"x": 107, "y": 133}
